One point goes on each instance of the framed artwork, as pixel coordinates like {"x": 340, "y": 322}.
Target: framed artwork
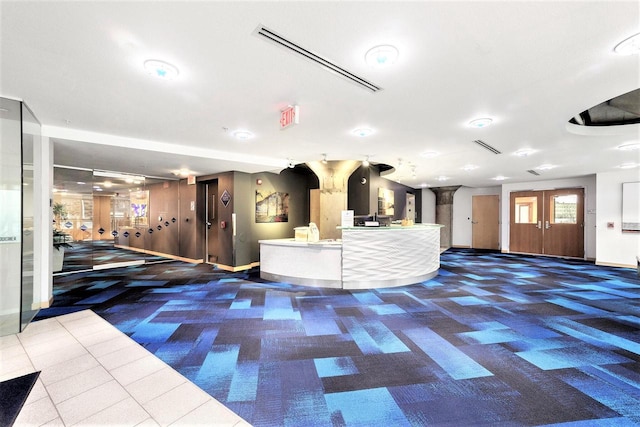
{"x": 272, "y": 207}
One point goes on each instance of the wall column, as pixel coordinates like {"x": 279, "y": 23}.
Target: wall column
{"x": 334, "y": 184}
{"x": 444, "y": 212}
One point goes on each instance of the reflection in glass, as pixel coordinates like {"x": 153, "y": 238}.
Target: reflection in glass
{"x": 564, "y": 209}
{"x": 526, "y": 210}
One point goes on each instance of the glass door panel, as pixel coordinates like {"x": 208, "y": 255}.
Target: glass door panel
{"x": 120, "y": 216}
{"x": 72, "y": 220}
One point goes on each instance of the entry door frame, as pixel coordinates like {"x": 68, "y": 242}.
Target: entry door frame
{"x": 544, "y": 236}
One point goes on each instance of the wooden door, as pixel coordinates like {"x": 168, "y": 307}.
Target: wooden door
{"x": 564, "y": 222}
{"x": 211, "y": 223}
{"x": 485, "y": 222}
{"x": 526, "y": 231}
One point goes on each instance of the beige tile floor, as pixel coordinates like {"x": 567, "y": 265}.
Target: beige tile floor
{"x": 92, "y": 374}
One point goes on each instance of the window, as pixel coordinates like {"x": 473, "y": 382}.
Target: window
{"x": 526, "y": 210}
{"x": 564, "y": 209}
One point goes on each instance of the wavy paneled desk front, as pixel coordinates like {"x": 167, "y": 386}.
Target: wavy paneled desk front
{"x": 365, "y": 258}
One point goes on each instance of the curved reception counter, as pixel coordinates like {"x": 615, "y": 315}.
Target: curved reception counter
{"x": 365, "y": 258}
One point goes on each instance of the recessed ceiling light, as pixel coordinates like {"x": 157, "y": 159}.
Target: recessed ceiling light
{"x": 424, "y": 185}
{"x": 362, "y": 132}
{"x": 630, "y": 146}
{"x": 469, "y": 167}
{"x": 161, "y": 69}
{"x": 80, "y": 183}
{"x": 628, "y": 46}
{"x": 429, "y": 154}
{"x": 524, "y": 152}
{"x": 242, "y": 134}
{"x": 381, "y": 56}
{"x": 628, "y": 165}
{"x": 442, "y": 178}
{"x": 499, "y": 178}
{"x": 481, "y": 123}
{"x": 545, "y": 167}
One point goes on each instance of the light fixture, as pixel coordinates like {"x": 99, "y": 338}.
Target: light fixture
{"x": 161, "y": 69}
{"x": 442, "y": 178}
{"x": 629, "y": 46}
{"x": 382, "y": 55}
{"x": 629, "y": 146}
{"x": 424, "y": 185}
{"x": 429, "y": 154}
{"x": 324, "y": 159}
{"x": 469, "y": 167}
{"x": 545, "y": 167}
{"x": 290, "y": 164}
{"x": 499, "y": 178}
{"x": 362, "y": 132}
{"x": 365, "y": 162}
{"x": 80, "y": 183}
{"x": 107, "y": 184}
{"x": 481, "y": 122}
{"x": 628, "y": 165}
{"x": 524, "y": 152}
{"x": 242, "y": 134}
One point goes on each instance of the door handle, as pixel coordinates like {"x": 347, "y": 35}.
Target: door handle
{"x": 209, "y": 224}
{"x": 547, "y": 225}
{"x": 474, "y": 222}
{"x": 539, "y": 225}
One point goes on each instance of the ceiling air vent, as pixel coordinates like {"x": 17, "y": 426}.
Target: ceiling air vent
{"x": 532, "y": 172}
{"x": 270, "y": 36}
{"x": 486, "y": 146}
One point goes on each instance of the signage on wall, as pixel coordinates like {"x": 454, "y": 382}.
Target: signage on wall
{"x": 289, "y": 116}
{"x": 225, "y": 198}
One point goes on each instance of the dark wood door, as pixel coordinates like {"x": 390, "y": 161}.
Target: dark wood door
{"x": 485, "y": 222}
{"x": 526, "y": 230}
{"x": 564, "y": 222}
{"x": 211, "y": 223}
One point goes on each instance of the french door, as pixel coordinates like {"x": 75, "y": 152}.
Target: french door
{"x": 549, "y": 222}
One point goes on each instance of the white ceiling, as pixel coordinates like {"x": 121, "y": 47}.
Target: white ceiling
{"x": 530, "y": 65}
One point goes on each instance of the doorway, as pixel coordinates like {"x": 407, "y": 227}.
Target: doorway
{"x": 212, "y": 244}
{"x": 485, "y": 223}
{"x": 549, "y": 222}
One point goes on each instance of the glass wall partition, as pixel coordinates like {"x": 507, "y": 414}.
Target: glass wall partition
{"x": 19, "y": 294}
{"x": 30, "y": 291}
{"x": 104, "y": 219}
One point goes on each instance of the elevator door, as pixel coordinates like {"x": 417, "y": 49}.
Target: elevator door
{"x": 549, "y": 222}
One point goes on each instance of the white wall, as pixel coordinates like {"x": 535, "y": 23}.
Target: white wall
{"x": 428, "y": 206}
{"x": 614, "y": 246}
{"x": 462, "y": 213}
{"x": 586, "y": 182}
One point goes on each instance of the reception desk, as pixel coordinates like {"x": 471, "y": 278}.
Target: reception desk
{"x": 365, "y": 258}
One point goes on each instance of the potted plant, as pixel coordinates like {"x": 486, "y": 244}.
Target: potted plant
{"x": 60, "y": 242}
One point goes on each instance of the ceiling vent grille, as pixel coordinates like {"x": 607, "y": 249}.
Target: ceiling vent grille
{"x": 487, "y": 146}
{"x": 532, "y": 172}
{"x": 270, "y": 36}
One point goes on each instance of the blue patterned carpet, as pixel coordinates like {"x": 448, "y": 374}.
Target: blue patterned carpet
{"x": 495, "y": 339}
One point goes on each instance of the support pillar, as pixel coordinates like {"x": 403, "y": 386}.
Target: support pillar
{"x": 444, "y": 212}
{"x": 334, "y": 184}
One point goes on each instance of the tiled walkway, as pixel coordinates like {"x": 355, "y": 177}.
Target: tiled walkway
{"x": 93, "y": 374}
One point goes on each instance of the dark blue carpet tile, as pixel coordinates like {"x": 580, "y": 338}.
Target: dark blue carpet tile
{"x": 494, "y": 339}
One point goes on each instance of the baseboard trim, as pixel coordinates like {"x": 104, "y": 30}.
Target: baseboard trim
{"x": 236, "y": 268}
{"x": 613, "y": 264}
{"x": 148, "y": 252}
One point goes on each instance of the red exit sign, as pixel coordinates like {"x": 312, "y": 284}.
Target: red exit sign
{"x": 289, "y": 116}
